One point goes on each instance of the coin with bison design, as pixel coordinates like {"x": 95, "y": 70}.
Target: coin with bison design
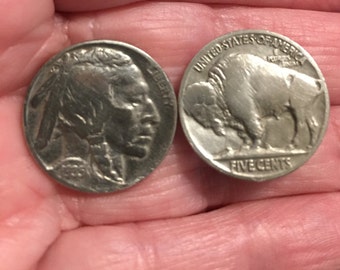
{"x": 254, "y": 105}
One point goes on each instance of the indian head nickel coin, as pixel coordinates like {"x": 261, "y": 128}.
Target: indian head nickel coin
{"x": 254, "y": 105}
{"x": 100, "y": 116}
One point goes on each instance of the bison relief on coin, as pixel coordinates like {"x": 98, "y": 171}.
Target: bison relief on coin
{"x": 254, "y": 105}
{"x": 93, "y": 116}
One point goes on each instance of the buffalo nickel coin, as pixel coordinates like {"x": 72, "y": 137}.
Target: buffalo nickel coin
{"x": 100, "y": 116}
{"x": 254, "y": 105}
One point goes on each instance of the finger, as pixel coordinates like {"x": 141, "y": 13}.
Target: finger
{"x": 29, "y": 35}
{"x": 287, "y": 233}
{"x": 27, "y": 234}
{"x": 23, "y": 19}
{"x": 90, "y": 5}
{"x": 173, "y": 33}
{"x": 329, "y": 5}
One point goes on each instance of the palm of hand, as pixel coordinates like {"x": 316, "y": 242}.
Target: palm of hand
{"x": 165, "y": 222}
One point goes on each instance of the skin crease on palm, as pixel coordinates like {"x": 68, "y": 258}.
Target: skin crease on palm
{"x": 184, "y": 215}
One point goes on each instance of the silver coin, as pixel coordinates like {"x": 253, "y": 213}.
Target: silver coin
{"x": 100, "y": 116}
{"x": 254, "y": 105}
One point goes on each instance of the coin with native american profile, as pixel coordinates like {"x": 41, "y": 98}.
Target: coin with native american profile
{"x": 254, "y": 105}
{"x": 100, "y": 116}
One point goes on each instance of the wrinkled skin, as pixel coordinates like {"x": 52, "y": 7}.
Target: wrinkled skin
{"x": 185, "y": 215}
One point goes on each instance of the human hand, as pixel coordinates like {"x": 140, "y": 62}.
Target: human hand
{"x": 185, "y": 215}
